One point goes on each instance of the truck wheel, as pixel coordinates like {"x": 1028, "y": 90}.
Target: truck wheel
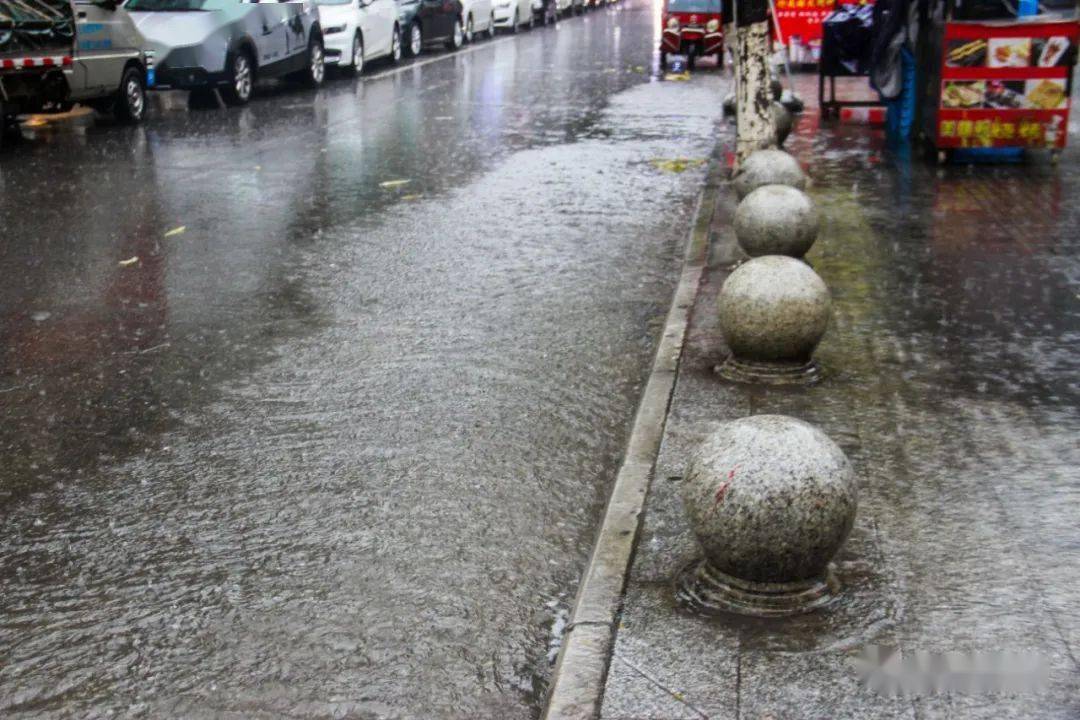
{"x": 241, "y": 80}
{"x": 130, "y": 106}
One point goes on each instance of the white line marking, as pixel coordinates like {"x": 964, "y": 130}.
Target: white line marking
{"x": 445, "y": 56}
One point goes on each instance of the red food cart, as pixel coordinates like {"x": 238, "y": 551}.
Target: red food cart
{"x": 999, "y": 83}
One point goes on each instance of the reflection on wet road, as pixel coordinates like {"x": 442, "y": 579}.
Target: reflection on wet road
{"x": 309, "y": 408}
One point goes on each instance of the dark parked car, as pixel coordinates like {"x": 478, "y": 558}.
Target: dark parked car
{"x": 428, "y": 22}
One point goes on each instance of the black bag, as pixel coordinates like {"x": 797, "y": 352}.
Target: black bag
{"x": 846, "y": 42}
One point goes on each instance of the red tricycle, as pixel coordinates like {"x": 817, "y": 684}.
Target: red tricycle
{"x": 691, "y": 28}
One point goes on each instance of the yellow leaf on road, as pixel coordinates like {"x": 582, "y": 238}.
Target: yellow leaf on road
{"x": 677, "y": 76}
{"x": 410, "y": 197}
{"x": 394, "y": 183}
{"x": 176, "y": 231}
{"x": 129, "y": 261}
{"x": 676, "y": 165}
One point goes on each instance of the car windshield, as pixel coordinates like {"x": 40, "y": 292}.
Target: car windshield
{"x": 694, "y": 6}
{"x": 175, "y": 5}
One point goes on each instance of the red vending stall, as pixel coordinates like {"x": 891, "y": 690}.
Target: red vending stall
{"x": 1000, "y": 83}
{"x": 798, "y": 27}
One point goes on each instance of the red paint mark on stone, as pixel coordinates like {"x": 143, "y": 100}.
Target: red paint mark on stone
{"x": 721, "y": 492}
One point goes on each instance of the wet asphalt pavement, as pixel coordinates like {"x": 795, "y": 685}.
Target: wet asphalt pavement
{"x": 286, "y": 436}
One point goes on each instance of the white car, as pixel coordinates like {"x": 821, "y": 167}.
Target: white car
{"x": 479, "y": 18}
{"x": 355, "y": 31}
{"x": 512, "y": 14}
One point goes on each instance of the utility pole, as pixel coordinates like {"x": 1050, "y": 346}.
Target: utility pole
{"x": 754, "y": 125}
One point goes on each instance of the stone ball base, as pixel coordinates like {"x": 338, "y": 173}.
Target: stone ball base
{"x": 749, "y": 372}
{"x": 703, "y": 589}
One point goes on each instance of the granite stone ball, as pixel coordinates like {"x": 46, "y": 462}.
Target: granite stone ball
{"x": 774, "y": 309}
{"x": 784, "y": 121}
{"x": 771, "y": 499}
{"x": 769, "y": 167}
{"x": 777, "y": 220}
{"x": 729, "y": 104}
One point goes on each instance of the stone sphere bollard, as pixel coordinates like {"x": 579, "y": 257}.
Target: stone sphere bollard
{"x": 784, "y": 121}
{"x": 774, "y": 310}
{"x": 729, "y": 104}
{"x": 777, "y": 220}
{"x": 771, "y": 499}
{"x": 769, "y": 167}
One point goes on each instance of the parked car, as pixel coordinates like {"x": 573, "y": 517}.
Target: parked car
{"x": 479, "y": 18}
{"x": 427, "y": 22}
{"x": 55, "y": 53}
{"x": 546, "y": 11}
{"x": 512, "y": 14}
{"x": 691, "y": 28}
{"x": 203, "y": 45}
{"x": 355, "y": 31}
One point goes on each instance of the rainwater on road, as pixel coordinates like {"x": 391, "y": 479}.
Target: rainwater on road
{"x": 309, "y": 408}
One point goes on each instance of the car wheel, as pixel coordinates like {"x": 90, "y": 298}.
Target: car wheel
{"x": 491, "y": 26}
{"x": 130, "y": 106}
{"x": 357, "y": 65}
{"x": 469, "y": 37}
{"x": 315, "y": 72}
{"x": 515, "y": 24}
{"x": 457, "y": 37}
{"x": 241, "y": 80}
{"x": 395, "y": 46}
{"x": 416, "y": 40}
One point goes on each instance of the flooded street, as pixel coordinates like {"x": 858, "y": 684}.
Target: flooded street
{"x": 309, "y": 408}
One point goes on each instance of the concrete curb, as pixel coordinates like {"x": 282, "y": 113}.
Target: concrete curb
{"x": 578, "y": 682}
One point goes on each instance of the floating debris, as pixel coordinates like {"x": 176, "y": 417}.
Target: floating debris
{"x": 677, "y": 165}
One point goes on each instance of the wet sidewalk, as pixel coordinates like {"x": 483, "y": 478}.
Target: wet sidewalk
{"x": 950, "y": 380}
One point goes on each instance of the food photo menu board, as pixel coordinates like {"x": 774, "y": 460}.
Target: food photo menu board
{"x": 1006, "y": 85}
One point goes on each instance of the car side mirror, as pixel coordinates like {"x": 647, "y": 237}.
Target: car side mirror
{"x": 109, "y": 5}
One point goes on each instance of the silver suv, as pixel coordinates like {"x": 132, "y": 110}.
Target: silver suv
{"x": 203, "y": 45}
